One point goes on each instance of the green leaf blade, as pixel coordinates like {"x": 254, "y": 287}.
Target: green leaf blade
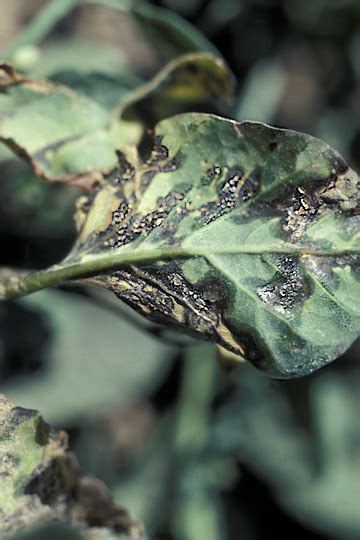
{"x": 242, "y": 234}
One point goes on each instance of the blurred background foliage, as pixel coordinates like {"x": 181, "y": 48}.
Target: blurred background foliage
{"x": 194, "y": 449}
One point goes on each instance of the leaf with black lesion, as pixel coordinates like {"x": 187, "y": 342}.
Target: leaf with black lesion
{"x": 9, "y": 76}
{"x": 239, "y": 233}
{"x": 251, "y": 213}
{"x": 41, "y": 483}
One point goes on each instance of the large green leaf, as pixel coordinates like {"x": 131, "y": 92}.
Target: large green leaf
{"x": 70, "y": 137}
{"x": 243, "y": 234}
{"x": 41, "y": 483}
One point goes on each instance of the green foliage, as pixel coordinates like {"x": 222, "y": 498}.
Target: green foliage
{"x": 170, "y": 34}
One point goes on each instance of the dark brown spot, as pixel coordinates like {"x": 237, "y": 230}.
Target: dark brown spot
{"x": 340, "y": 166}
{"x": 172, "y": 165}
{"x": 159, "y": 152}
{"x": 273, "y": 146}
{"x": 146, "y": 179}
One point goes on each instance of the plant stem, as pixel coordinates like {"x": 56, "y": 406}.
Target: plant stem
{"x": 198, "y": 389}
{"x": 15, "y": 285}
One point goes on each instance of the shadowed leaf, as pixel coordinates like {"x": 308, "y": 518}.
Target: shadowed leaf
{"x": 170, "y": 34}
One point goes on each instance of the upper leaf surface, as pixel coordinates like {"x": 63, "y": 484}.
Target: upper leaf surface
{"x": 69, "y": 137}
{"x": 41, "y": 483}
{"x": 262, "y": 224}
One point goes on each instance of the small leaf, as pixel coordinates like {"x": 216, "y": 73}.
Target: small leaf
{"x": 40, "y": 481}
{"x": 242, "y": 234}
{"x": 71, "y": 138}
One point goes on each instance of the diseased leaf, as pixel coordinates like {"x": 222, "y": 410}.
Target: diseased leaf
{"x": 242, "y": 234}
{"x": 8, "y": 75}
{"x": 40, "y": 482}
{"x": 71, "y": 138}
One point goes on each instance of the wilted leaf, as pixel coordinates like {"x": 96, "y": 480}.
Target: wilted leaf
{"x": 40, "y": 481}
{"x": 72, "y": 138}
{"x": 243, "y": 234}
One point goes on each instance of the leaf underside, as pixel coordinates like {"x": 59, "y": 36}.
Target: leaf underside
{"x": 242, "y": 234}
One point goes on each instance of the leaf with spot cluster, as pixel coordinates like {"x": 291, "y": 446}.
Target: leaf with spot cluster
{"x": 41, "y": 484}
{"x": 238, "y": 233}
{"x": 69, "y": 137}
